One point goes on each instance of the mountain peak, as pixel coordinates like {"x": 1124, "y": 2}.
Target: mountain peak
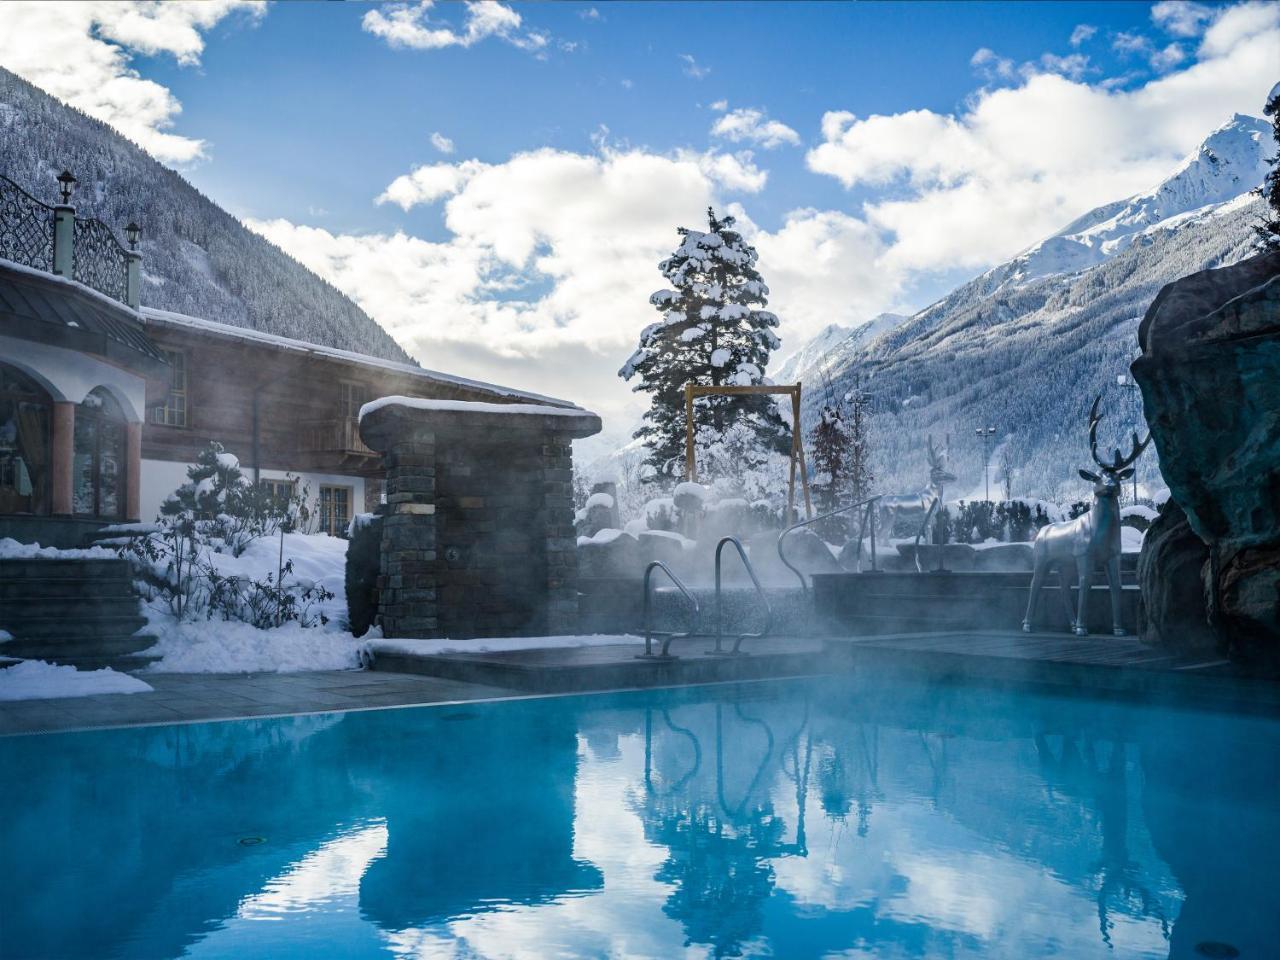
{"x": 1230, "y": 161}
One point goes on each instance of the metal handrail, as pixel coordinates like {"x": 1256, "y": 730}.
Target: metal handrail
{"x": 668, "y": 635}
{"x": 768, "y": 610}
{"x": 869, "y": 503}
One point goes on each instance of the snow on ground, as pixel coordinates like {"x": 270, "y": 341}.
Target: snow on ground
{"x": 220, "y": 646}
{"x": 498, "y": 644}
{"x": 40, "y": 680}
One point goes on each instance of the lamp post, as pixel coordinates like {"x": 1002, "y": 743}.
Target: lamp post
{"x": 986, "y": 433}
{"x": 1126, "y": 384}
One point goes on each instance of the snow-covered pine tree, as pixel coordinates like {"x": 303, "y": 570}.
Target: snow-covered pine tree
{"x": 1269, "y": 230}
{"x": 829, "y": 445}
{"x": 712, "y": 332}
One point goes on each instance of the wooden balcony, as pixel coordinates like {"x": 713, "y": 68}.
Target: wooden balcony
{"x": 335, "y": 444}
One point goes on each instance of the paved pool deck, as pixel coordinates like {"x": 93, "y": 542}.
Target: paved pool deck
{"x": 187, "y": 698}
{"x": 1092, "y": 666}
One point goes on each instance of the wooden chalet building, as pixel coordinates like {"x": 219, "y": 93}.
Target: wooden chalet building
{"x": 105, "y": 403}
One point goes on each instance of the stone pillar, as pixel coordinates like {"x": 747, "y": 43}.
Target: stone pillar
{"x": 61, "y": 447}
{"x": 478, "y": 540}
{"x": 407, "y": 586}
{"x": 133, "y": 279}
{"x": 64, "y": 233}
{"x": 561, "y": 538}
{"x": 133, "y": 471}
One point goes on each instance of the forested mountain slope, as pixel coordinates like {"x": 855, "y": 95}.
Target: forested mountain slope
{"x": 197, "y": 258}
{"x": 1027, "y": 354}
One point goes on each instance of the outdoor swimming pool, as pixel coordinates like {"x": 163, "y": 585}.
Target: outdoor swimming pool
{"x": 831, "y": 818}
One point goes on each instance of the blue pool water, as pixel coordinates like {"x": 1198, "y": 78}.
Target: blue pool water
{"x": 796, "y": 819}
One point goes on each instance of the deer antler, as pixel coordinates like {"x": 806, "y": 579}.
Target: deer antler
{"x": 1119, "y": 461}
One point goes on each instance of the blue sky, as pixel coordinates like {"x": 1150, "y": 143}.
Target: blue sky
{"x": 876, "y": 153}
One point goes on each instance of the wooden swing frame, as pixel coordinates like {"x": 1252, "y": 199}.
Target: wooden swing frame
{"x": 692, "y": 391}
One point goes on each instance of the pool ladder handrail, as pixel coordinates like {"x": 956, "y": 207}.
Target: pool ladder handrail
{"x": 667, "y": 635}
{"x": 868, "y": 514}
{"x": 768, "y": 608}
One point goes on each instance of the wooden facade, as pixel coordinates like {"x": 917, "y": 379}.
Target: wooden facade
{"x": 279, "y": 404}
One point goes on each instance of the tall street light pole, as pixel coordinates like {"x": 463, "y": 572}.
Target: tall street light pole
{"x": 986, "y": 433}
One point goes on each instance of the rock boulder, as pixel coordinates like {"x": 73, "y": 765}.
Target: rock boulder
{"x": 1210, "y": 379}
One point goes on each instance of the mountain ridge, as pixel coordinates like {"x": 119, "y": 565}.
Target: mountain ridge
{"x": 1027, "y": 351}
{"x": 197, "y": 258}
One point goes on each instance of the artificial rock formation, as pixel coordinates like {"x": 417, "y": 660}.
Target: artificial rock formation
{"x": 1210, "y": 379}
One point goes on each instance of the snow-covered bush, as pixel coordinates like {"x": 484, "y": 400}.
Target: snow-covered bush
{"x": 364, "y": 559}
{"x": 218, "y": 511}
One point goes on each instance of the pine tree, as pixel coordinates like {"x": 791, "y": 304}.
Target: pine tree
{"x": 712, "y": 332}
{"x": 830, "y": 449}
{"x": 1269, "y": 230}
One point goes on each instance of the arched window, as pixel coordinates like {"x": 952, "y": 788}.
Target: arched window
{"x": 24, "y": 444}
{"x": 98, "y": 465}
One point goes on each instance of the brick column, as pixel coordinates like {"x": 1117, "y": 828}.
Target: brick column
{"x": 407, "y": 605}
{"x": 61, "y": 447}
{"x": 133, "y": 471}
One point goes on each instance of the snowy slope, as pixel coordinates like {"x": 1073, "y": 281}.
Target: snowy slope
{"x": 829, "y": 345}
{"x": 1027, "y": 345}
{"x": 1231, "y": 161}
{"x": 197, "y": 258}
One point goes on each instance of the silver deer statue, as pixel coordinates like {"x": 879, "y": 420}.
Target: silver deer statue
{"x": 1090, "y": 540}
{"x": 915, "y": 505}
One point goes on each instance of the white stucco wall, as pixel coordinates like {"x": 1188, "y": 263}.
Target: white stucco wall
{"x": 161, "y": 477}
{"x": 69, "y": 376}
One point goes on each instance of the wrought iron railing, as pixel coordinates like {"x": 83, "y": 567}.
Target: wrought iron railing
{"x": 100, "y": 260}
{"x": 26, "y": 228}
{"x": 28, "y": 236}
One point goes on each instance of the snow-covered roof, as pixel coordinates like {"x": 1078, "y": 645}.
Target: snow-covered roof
{"x": 472, "y": 406}
{"x": 167, "y": 318}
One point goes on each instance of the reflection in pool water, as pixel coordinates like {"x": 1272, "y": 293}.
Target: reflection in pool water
{"x": 831, "y": 818}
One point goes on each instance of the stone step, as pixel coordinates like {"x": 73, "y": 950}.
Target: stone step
{"x": 64, "y": 569}
{"x": 81, "y": 628}
{"x": 78, "y": 650}
{"x": 21, "y": 610}
{"x": 55, "y": 587}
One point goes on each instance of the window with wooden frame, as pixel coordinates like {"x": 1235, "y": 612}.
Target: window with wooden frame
{"x": 335, "y": 510}
{"x": 174, "y": 411}
{"x": 353, "y": 396}
{"x": 278, "y": 492}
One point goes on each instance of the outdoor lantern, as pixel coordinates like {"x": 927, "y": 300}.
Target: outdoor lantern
{"x": 132, "y": 232}
{"x": 65, "y": 179}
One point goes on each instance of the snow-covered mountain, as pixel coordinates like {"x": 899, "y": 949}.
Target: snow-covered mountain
{"x": 1027, "y": 345}
{"x": 197, "y": 258}
{"x": 1231, "y": 161}
{"x": 831, "y": 343}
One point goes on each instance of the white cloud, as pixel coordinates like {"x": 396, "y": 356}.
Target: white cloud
{"x": 1019, "y": 162}
{"x": 407, "y": 25}
{"x": 754, "y": 126}
{"x": 550, "y": 257}
{"x": 81, "y": 52}
{"x": 1181, "y": 18}
{"x": 720, "y": 106}
{"x": 591, "y": 13}
{"x": 441, "y": 142}
{"x": 1082, "y": 33}
{"x": 692, "y": 68}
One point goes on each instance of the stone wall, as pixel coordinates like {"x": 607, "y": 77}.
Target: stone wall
{"x": 478, "y": 540}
